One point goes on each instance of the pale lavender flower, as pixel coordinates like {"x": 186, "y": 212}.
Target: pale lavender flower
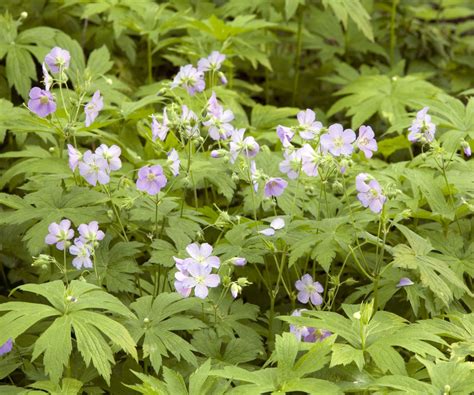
{"x": 404, "y": 282}
{"x": 370, "y": 194}
{"x": 212, "y": 63}
{"x": 308, "y": 126}
{"x": 310, "y": 160}
{"x": 291, "y": 166}
{"x": 83, "y": 252}
{"x": 75, "y": 157}
{"x": 275, "y": 186}
{"x": 338, "y": 141}
{"x": 174, "y": 162}
{"x": 181, "y": 285}
{"x": 90, "y": 233}
{"x": 6, "y": 347}
{"x": 309, "y": 290}
{"x": 199, "y": 278}
{"x": 317, "y": 335}
{"x": 222, "y": 78}
{"x": 94, "y": 168}
{"x": 47, "y": 79}
{"x": 151, "y": 179}
{"x": 218, "y": 153}
{"x": 57, "y": 59}
{"x": 160, "y": 130}
{"x": 466, "y": 148}
{"x": 189, "y": 78}
{"x": 422, "y": 129}
{"x": 285, "y": 134}
{"x": 277, "y": 224}
{"x": 111, "y": 155}
{"x": 238, "y": 261}
{"x": 254, "y": 175}
{"x": 190, "y": 122}
{"x": 235, "y": 289}
{"x": 93, "y": 108}
{"x": 366, "y": 141}
{"x": 240, "y": 144}
{"x": 305, "y": 333}
{"x": 201, "y": 253}
{"x": 59, "y": 234}
{"x": 218, "y": 120}
{"x": 41, "y": 102}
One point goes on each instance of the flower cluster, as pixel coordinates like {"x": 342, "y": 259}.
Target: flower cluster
{"x": 151, "y": 179}
{"x": 305, "y": 333}
{"x": 96, "y": 166}
{"x": 422, "y": 129}
{"x": 308, "y": 289}
{"x": 84, "y": 245}
{"x": 194, "y": 272}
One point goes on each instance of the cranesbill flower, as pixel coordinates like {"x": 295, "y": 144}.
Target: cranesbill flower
{"x": 159, "y": 130}
{"x": 59, "y": 234}
{"x": 254, "y": 175}
{"x": 308, "y": 126}
{"x": 338, "y": 141}
{"x": 240, "y": 144}
{"x": 238, "y": 261}
{"x": 41, "y": 102}
{"x": 47, "y": 79}
{"x": 6, "y": 347}
{"x": 275, "y": 186}
{"x": 404, "y": 282}
{"x": 277, "y": 224}
{"x": 189, "y": 78}
{"x": 466, "y": 148}
{"x": 111, "y": 155}
{"x": 174, "y": 162}
{"x": 310, "y": 160}
{"x": 235, "y": 290}
{"x": 151, "y": 179}
{"x": 212, "y": 63}
{"x": 370, "y": 194}
{"x": 285, "y": 134}
{"x": 181, "y": 285}
{"x": 90, "y": 233}
{"x": 94, "y": 168}
{"x": 93, "y": 108}
{"x": 83, "y": 252}
{"x": 75, "y": 157}
{"x": 201, "y": 253}
{"x": 190, "y": 122}
{"x": 199, "y": 278}
{"x": 366, "y": 141}
{"x": 309, "y": 290}
{"x": 301, "y": 332}
{"x": 57, "y": 59}
{"x": 422, "y": 129}
{"x": 218, "y": 120}
{"x": 291, "y": 166}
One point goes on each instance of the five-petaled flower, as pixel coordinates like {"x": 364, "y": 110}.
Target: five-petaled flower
{"x": 309, "y": 290}
{"x": 59, "y": 234}
{"x": 212, "y": 63}
{"x": 94, "y": 168}
{"x": 338, "y": 141}
{"x": 90, "y": 233}
{"x": 93, "y": 108}
{"x": 189, "y": 78}
{"x": 197, "y": 276}
{"x": 41, "y": 102}
{"x": 370, "y": 194}
{"x": 275, "y": 186}
{"x": 308, "y": 126}
{"x": 151, "y": 179}
{"x": 422, "y": 129}
{"x": 366, "y": 141}
{"x": 174, "y": 162}
{"x": 219, "y": 120}
{"x": 57, "y": 59}
{"x": 159, "y": 130}
{"x": 83, "y": 252}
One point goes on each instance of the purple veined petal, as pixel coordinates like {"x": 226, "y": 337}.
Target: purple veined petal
{"x": 303, "y": 297}
{"x": 316, "y": 299}
{"x": 307, "y": 279}
{"x": 65, "y": 224}
{"x": 103, "y": 177}
{"x": 319, "y": 287}
{"x": 35, "y": 93}
{"x": 299, "y": 285}
{"x": 238, "y": 261}
{"x": 277, "y": 223}
{"x": 201, "y": 291}
{"x": 213, "y": 261}
{"x": 348, "y": 136}
{"x": 6, "y": 347}
{"x": 375, "y": 205}
{"x": 361, "y": 184}
{"x": 212, "y": 281}
{"x": 182, "y": 289}
{"x": 194, "y": 250}
{"x": 306, "y": 117}
{"x": 404, "y": 282}
{"x": 267, "y": 232}
{"x": 206, "y": 250}
{"x": 50, "y": 239}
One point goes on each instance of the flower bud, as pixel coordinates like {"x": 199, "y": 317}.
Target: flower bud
{"x": 466, "y": 148}
{"x": 235, "y": 290}
{"x": 235, "y": 177}
{"x": 71, "y": 299}
{"x": 51, "y": 149}
{"x": 24, "y": 15}
{"x": 238, "y": 261}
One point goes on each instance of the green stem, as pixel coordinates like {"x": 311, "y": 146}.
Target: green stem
{"x": 393, "y": 36}
{"x": 299, "y": 41}
{"x": 65, "y": 266}
{"x": 149, "y": 60}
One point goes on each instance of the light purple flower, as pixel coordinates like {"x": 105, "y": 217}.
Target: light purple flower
{"x": 160, "y": 130}
{"x": 404, "y": 282}
{"x": 291, "y": 166}
{"x": 59, "y": 234}
{"x": 111, "y": 155}
{"x": 235, "y": 289}
{"x": 307, "y": 334}
{"x": 422, "y": 129}
{"x": 190, "y": 122}
{"x": 238, "y": 261}
{"x": 277, "y": 224}
{"x": 310, "y": 160}
{"x": 338, "y": 141}
{"x": 370, "y": 194}
{"x": 309, "y": 290}
{"x": 174, "y": 162}
{"x": 47, "y": 79}
{"x": 308, "y": 126}
{"x": 189, "y": 78}
{"x": 240, "y": 144}
{"x": 285, "y": 134}
{"x": 212, "y": 63}
{"x": 222, "y": 78}
{"x": 93, "y": 108}
{"x": 218, "y": 120}
{"x": 199, "y": 277}
{"x": 82, "y": 251}
{"x": 6, "y": 347}
{"x": 201, "y": 253}
{"x": 75, "y": 157}
{"x": 466, "y": 148}
{"x": 41, "y": 102}
{"x": 254, "y": 175}
{"x": 90, "y": 233}
{"x": 57, "y": 59}
{"x": 366, "y": 141}
{"x": 94, "y": 168}
{"x": 275, "y": 186}
{"x": 151, "y": 179}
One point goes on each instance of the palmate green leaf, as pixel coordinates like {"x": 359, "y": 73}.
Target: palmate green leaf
{"x": 99, "y": 62}
{"x": 455, "y": 375}
{"x": 68, "y": 386}
{"x": 405, "y": 384}
{"x": 344, "y": 354}
{"x": 205, "y": 172}
{"x": 21, "y": 69}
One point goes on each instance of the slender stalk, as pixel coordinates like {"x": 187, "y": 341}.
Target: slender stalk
{"x": 393, "y": 36}
{"x": 297, "y": 62}
{"x": 65, "y": 266}
{"x": 149, "y": 60}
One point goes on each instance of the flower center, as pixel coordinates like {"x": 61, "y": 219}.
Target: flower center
{"x": 338, "y": 142}
{"x": 200, "y": 279}
{"x": 150, "y": 177}
{"x": 44, "y": 99}
{"x": 374, "y": 193}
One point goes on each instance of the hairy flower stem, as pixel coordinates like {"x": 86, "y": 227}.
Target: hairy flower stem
{"x": 65, "y": 266}
{"x": 157, "y": 202}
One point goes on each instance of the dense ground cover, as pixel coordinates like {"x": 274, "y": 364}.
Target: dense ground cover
{"x": 236, "y": 197}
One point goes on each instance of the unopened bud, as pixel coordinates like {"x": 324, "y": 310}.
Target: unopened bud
{"x": 24, "y": 15}
{"x": 238, "y": 261}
